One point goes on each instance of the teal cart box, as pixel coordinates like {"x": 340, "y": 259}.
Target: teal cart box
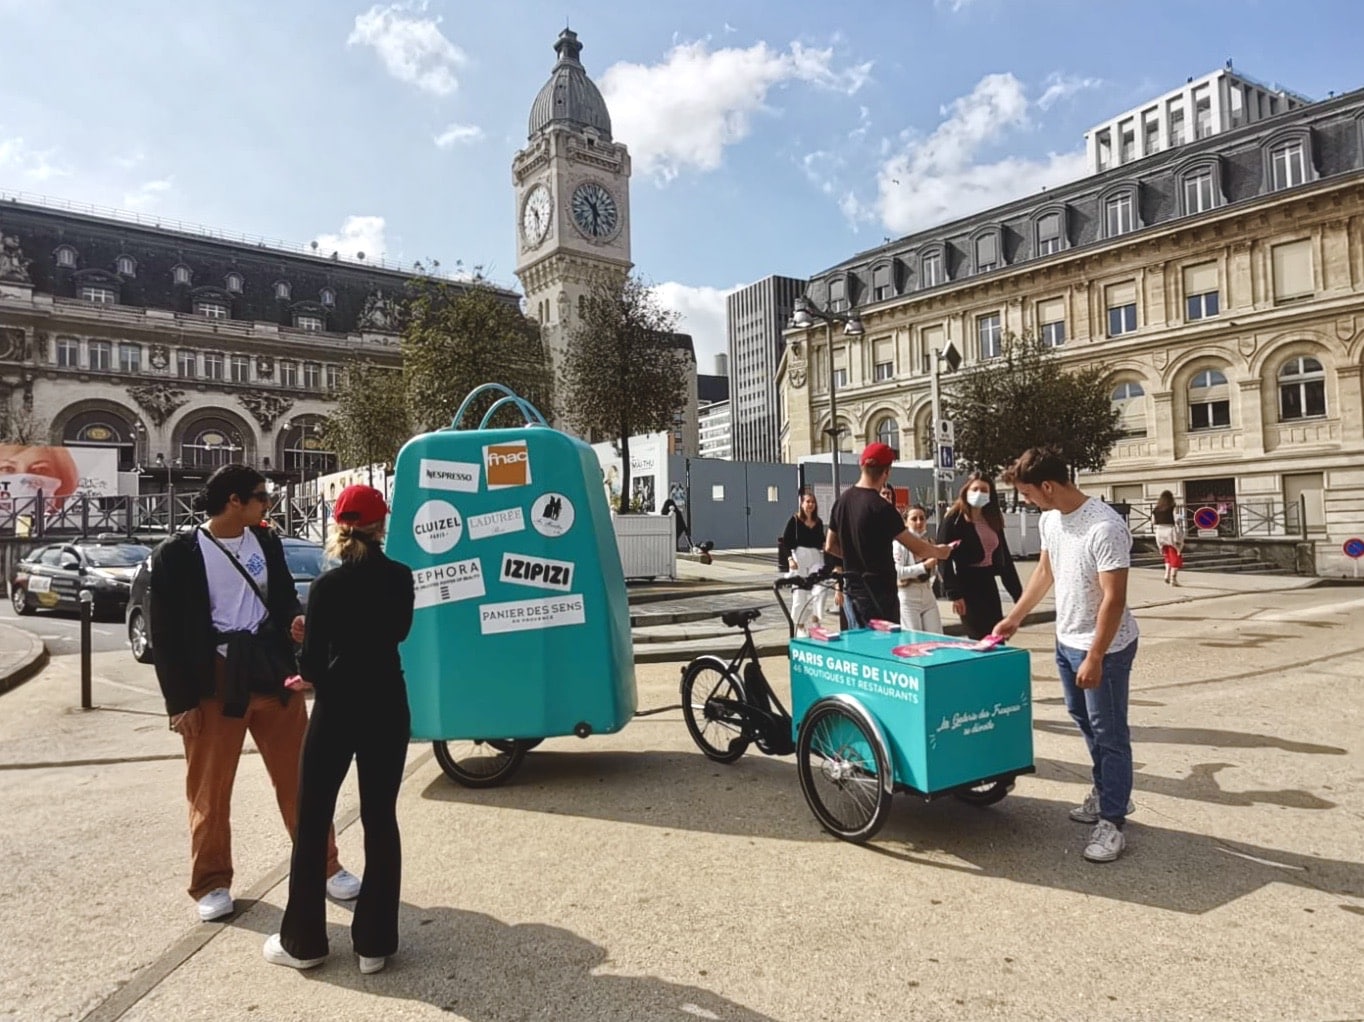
{"x": 522, "y": 625}
{"x": 951, "y": 716}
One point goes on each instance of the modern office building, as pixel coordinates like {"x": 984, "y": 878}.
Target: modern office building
{"x": 1220, "y": 284}
{"x": 755, "y": 318}
{"x": 712, "y": 394}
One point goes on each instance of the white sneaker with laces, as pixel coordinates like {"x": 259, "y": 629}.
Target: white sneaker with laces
{"x": 216, "y": 904}
{"x": 343, "y": 885}
{"x": 1089, "y": 812}
{"x": 1106, "y": 842}
{"x": 369, "y": 966}
{"x": 276, "y": 955}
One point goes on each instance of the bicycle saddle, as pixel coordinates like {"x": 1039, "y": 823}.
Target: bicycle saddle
{"x": 735, "y": 618}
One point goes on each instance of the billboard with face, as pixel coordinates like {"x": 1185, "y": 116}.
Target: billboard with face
{"x": 27, "y": 470}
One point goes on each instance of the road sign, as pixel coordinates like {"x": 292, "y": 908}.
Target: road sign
{"x": 1354, "y": 548}
{"x": 1207, "y": 518}
{"x": 946, "y": 456}
{"x": 947, "y": 474}
{"x": 946, "y": 432}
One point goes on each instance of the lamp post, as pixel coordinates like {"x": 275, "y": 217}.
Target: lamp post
{"x": 949, "y": 355}
{"x": 803, "y": 317}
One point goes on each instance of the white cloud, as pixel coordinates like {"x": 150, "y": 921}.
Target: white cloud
{"x": 358, "y": 234}
{"x": 457, "y": 133}
{"x": 32, "y": 165}
{"x": 1061, "y": 87}
{"x": 681, "y": 114}
{"x": 413, "y": 48}
{"x": 935, "y": 179}
{"x": 702, "y": 314}
{"x": 147, "y": 194}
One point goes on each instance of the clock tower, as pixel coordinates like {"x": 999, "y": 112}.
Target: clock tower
{"x": 572, "y": 200}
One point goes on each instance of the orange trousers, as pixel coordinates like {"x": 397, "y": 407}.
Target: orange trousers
{"x": 212, "y": 757}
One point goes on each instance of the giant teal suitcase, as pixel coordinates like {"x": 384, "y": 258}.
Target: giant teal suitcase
{"x": 522, "y": 625}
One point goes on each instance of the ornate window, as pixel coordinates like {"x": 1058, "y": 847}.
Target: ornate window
{"x": 68, "y": 352}
{"x": 1288, "y": 159}
{"x": 210, "y": 443}
{"x": 215, "y": 366}
{"x": 1209, "y": 400}
{"x": 282, "y": 290}
{"x": 303, "y": 450}
{"x": 932, "y": 270}
{"x": 99, "y": 295}
{"x": 187, "y": 363}
{"x": 1200, "y": 185}
{"x": 1049, "y": 228}
{"x": 882, "y": 282}
{"x": 288, "y": 373}
{"x": 986, "y": 247}
{"x": 129, "y": 358}
{"x": 1130, "y": 400}
{"x": 1120, "y": 213}
{"x": 100, "y": 428}
{"x": 101, "y": 354}
{"x": 239, "y": 369}
{"x": 311, "y": 323}
{"x": 211, "y": 310}
{"x": 180, "y": 274}
{"x": 312, "y": 376}
{"x": 65, "y": 256}
{"x": 234, "y": 283}
{"x": 126, "y": 265}
{"x": 888, "y": 432}
{"x": 328, "y": 297}
{"x": 838, "y": 294}
{"x": 1302, "y": 389}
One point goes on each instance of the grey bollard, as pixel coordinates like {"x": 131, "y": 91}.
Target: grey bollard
{"x": 87, "y": 606}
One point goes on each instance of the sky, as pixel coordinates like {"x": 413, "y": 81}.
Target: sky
{"x": 767, "y": 136}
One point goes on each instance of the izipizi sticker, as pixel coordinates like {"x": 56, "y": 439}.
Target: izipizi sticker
{"x": 538, "y": 572}
{"x": 531, "y": 615}
{"x": 497, "y": 523}
{"x": 507, "y": 464}
{"x": 460, "y": 476}
{"x": 552, "y": 514}
{"x": 437, "y": 526}
{"x": 448, "y": 583}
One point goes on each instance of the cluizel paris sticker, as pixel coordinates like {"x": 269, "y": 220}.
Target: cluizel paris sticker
{"x": 532, "y": 615}
{"x": 552, "y": 514}
{"x": 460, "y": 476}
{"x": 537, "y": 572}
{"x": 507, "y": 464}
{"x": 448, "y": 583}
{"x": 437, "y": 526}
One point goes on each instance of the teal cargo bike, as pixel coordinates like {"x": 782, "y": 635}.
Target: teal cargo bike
{"x": 874, "y": 711}
{"x": 522, "y": 626}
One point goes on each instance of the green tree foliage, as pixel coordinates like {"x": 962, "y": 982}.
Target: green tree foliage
{"x": 623, "y": 373}
{"x": 456, "y": 338}
{"x": 370, "y": 422}
{"x": 1024, "y": 399}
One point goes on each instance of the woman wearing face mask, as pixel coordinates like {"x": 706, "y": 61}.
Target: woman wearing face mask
{"x": 804, "y": 541}
{"x": 969, "y": 575}
{"x": 918, "y": 606}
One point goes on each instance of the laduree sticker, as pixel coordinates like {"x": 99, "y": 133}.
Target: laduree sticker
{"x": 497, "y": 523}
{"x": 507, "y": 464}
{"x": 448, "y": 583}
{"x": 531, "y": 615}
{"x": 437, "y": 526}
{"x": 459, "y": 476}
{"x": 552, "y": 514}
{"x": 537, "y": 572}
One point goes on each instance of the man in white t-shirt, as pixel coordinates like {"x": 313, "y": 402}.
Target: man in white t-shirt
{"x": 1086, "y": 550}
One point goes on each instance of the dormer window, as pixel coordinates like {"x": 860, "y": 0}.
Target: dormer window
{"x": 180, "y": 274}
{"x": 311, "y": 323}
{"x": 65, "y": 256}
{"x": 1119, "y": 208}
{"x": 1200, "y": 185}
{"x": 838, "y": 294}
{"x": 328, "y": 297}
{"x": 1049, "y": 230}
{"x": 234, "y": 283}
{"x": 882, "y": 282}
{"x": 931, "y": 269}
{"x": 126, "y": 266}
{"x": 282, "y": 290}
{"x": 1288, "y": 159}
{"x": 986, "y": 250}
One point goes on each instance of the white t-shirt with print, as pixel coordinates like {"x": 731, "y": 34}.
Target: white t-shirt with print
{"x": 1091, "y": 539}
{"x": 232, "y": 604}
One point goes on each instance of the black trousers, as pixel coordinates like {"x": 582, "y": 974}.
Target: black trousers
{"x": 980, "y": 590}
{"x": 376, "y": 736}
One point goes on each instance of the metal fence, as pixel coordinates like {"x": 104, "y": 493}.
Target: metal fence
{"x": 1242, "y": 518}
{"x": 148, "y": 516}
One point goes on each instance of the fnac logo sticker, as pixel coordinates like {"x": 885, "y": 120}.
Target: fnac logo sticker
{"x": 507, "y": 465}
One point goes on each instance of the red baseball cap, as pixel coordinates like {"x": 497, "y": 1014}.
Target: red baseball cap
{"x": 877, "y": 454}
{"x": 360, "y": 505}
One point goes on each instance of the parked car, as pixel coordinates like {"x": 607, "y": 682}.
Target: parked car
{"x": 52, "y": 577}
{"x": 305, "y": 563}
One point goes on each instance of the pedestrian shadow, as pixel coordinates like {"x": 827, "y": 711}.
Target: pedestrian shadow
{"x": 1212, "y": 737}
{"x": 1199, "y": 786}
{"x": 485, "y": 970}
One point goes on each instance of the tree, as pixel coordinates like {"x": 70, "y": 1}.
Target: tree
{"x": 18, "y": 425}
{"x": 455, "y": 339}
{"x": 1024, "y": 399}
{"x": 623, "y": 372}
{"x": 370, "y": 422}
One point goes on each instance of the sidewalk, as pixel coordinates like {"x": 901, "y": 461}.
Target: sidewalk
{"x": 22, "y": 655}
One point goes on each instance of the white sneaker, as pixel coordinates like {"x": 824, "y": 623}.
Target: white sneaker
{"x": 343, "y": 885}
{"x": 369, "y": 966}
{"x": 1089, "y": 812}
{"x": 276, "y": 955}
{"x": 1106, "y": 842}
{"x": 216, "y": 904}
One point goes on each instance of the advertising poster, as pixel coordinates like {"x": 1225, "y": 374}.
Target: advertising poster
{"x": 648, "y": 471}
{"x": 57, "y": 472}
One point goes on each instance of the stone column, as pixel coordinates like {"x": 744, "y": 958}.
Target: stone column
{"x": 1252, "y": 417}
{"x": 1162, "y": 402}
{"x": 1350, "y": 384}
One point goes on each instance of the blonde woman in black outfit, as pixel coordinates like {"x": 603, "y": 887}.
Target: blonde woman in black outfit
{"x": 358, "y": 613}
{"x": 968, "y": 577}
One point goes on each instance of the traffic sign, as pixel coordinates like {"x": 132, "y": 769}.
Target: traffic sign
{"x": 946, "y": 431}
{"x": 1354, "y": 548}
{"x": 947, "y": 474}
{"x": 1207, "y": 518}
{"x": 946, "y": 456}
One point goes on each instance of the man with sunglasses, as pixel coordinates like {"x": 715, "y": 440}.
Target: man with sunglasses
{"x": 224, "y": 617}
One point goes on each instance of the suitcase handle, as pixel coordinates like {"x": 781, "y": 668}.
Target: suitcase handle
{"x": 529, "y": 410}
{"x": 532, "y": 413}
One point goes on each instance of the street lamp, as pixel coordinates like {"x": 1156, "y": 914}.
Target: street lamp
{"x": 802, "y": 318}
{"x": 952, "y": 357}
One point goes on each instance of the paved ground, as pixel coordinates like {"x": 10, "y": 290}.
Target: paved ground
{"x": 628, "y": 878}
{"x": 60, "y": 631}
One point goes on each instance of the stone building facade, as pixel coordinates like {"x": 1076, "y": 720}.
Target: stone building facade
{"x": 1220, "y": 284}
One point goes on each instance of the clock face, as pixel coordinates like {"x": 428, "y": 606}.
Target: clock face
{"x": 535, "y": 215}
{"x": 594, "y": 210}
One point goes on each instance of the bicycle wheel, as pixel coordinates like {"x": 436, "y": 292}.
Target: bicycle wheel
{"x": 843, "y": 767}
{"x": 480, "y": 763}
{"x": 986, "y": 794}
{"x": 713, "y": 702}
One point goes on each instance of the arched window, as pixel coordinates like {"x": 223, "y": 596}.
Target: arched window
{"x": 101, "y": 428}
{"x": 1209, "y": 400}
{"x": 328, "y": 297}
{"x": 126, "y": 265}
{"x": 1130, "y": 400}
{"x": 303, "y": 449}
{"x": 282, "y": 290}
{"x": 180, "y": 274}
{"x": 888, "y": 432}
{"x": 234, "y": 283}
{"x": 209, "y": 443}
{"x": 65, "y": 256}
{"x": 1302, "y": 389}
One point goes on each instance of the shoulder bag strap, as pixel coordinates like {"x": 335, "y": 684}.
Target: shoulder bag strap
{"x": 241, "y": 570}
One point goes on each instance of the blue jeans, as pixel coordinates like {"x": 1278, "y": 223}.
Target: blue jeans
{"x": 1101, "y": 714}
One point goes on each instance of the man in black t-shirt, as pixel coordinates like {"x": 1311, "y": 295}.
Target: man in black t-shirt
{"x": 863, "y": 525}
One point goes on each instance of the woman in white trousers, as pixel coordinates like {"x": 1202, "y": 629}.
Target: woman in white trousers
{"x": 918, "y": 605}
{"x": 804, "y": 537}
